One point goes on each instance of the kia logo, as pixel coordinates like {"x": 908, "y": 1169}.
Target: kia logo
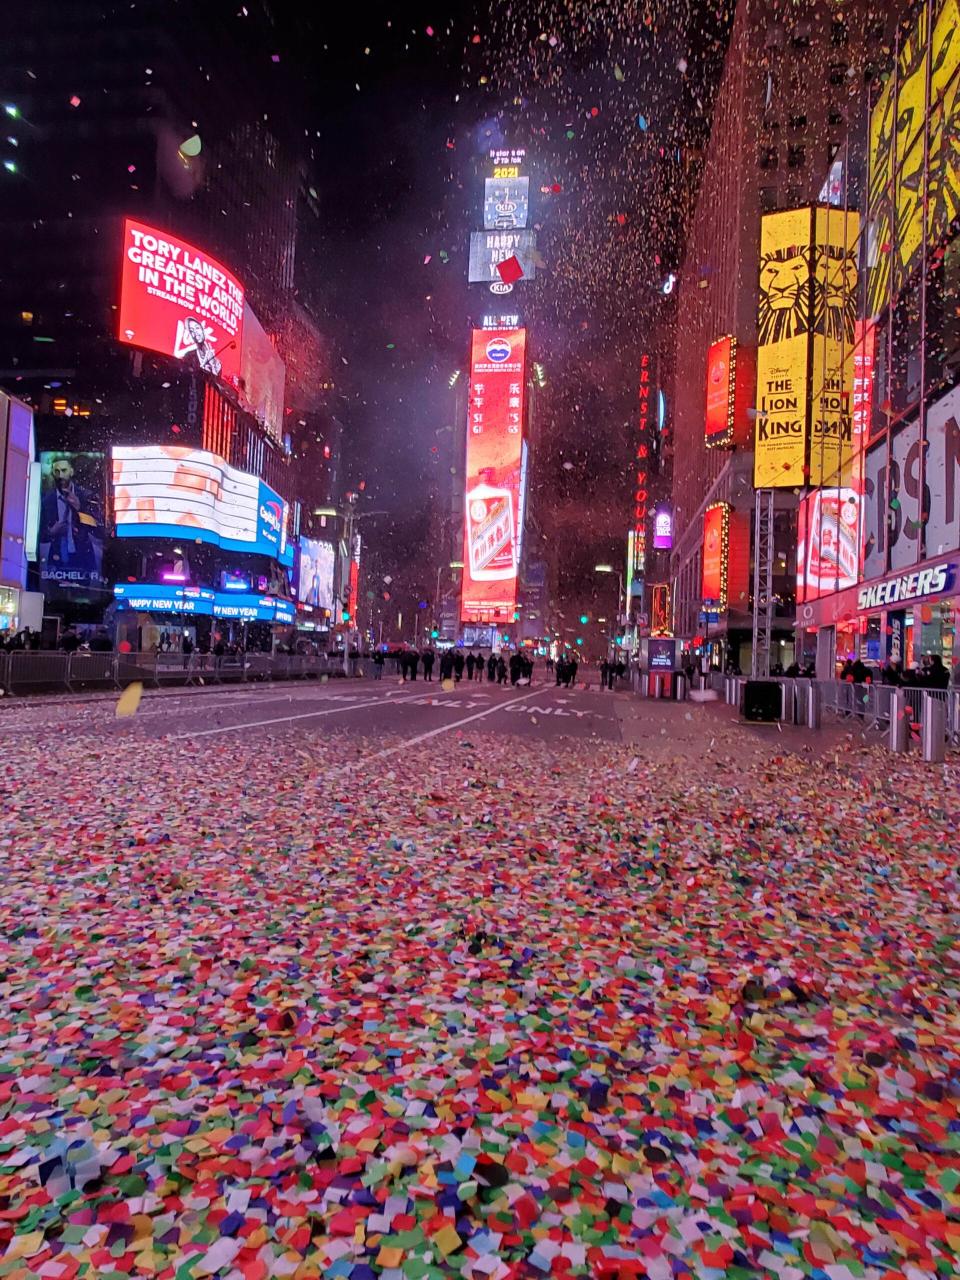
{"x": 501, "y": 286}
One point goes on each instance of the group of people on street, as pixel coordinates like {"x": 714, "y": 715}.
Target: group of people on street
{"x": 24, "y": 639}
{"x": 931, "y": 674}
{"x": 566, "y": 671}
{"x": 610, "y": 672}
{"x": 456, "y": 665}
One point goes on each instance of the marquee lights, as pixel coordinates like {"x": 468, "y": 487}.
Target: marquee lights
{"x": 721, "y": 392}
{"x": 716, "y": 555}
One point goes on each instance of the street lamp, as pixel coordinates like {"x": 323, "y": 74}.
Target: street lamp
{"x": 608, "y": 568}
{"x": 349, "y": 516}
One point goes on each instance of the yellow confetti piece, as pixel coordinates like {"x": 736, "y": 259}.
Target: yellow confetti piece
{"x": 447, "y": 1240}
{"x": 129, "y": 700}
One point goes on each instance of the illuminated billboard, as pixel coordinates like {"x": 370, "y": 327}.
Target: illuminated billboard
{"x": 168, "y": 491}
{"x": 489, "y": 248}
{"x": 833, "y": 329}
{"x": 148, "y": 597}
{"x": 726, "y": 558}
{"x": 262, "y": 375}
{"x": 721, "y": 392}
{"x": 506, "y": 203}
{"x": 353, "y": 595}
{"x": 179, "y": 301}
{"x": 317, "y": 560}
{"x": 913, "y": 191}
{"x": 663, "y": 529}
{"x": 828, "y": 542}
{"x": 71, "y": 532}
{"x": 493, "y": 463}
{"x": 716, "y": 543}
{"x": 806, "y": 324}
{"x": 783, "y": 322}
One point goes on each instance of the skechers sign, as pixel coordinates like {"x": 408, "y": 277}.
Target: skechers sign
{"x": 908, "y": 586}
{"x": 167, "y": 491}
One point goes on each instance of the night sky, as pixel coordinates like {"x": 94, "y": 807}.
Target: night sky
{"x": 610, "y": 101}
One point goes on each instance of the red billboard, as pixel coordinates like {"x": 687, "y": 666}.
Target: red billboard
{"x": 730, "y": 385}
{"x": 179, "y": 301}
{"x": 716, "y": 547}
{"x": 491, "y": 535}
{"x": 721, "y": 391}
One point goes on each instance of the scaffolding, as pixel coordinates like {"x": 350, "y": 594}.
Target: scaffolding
{"x": 763, "y": 553}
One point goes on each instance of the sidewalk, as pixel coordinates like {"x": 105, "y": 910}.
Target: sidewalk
{"x": 691, "y": 729}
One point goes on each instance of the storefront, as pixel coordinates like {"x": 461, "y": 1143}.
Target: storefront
{"x": 899, "y": 619}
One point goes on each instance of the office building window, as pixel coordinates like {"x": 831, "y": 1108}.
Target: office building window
{"x": 796, "y": 156}
{"x": 769, "y": 158}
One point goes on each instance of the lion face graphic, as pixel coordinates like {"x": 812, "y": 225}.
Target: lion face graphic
{"x": 898, "y": 205}
{"x": 835, "y": 293}
{"x": 783, "y": 310}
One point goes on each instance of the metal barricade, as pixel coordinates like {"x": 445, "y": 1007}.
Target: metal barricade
{"x": 953, "y": 717}
{"x": 37, "y": 671}
{"x": 933, "y": 732}
{"x": 814, "y": 704}
{"x": 899, "y": 722}
{"x": 132, "y": 667}
{"x": 91, "y": 671}
{"x": 788, "y": 711}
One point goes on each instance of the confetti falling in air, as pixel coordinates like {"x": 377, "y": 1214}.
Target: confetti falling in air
{"x": 129, "y": 701}
{"x": 458, "y": 1019}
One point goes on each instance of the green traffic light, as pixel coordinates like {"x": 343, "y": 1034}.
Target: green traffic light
{"x": 579, "y": 639}
{"x": 583, "y": 619}
{"x": 434, "y": 633}
{"x": 346, "y": 616}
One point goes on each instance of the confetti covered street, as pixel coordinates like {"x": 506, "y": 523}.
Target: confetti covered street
{"x": 283, "y": 1001}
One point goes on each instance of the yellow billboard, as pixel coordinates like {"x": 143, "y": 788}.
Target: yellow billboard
{"x": 908, "y": 200}
{"x": 834, "y": 317}
{"x": 783, "y": 349}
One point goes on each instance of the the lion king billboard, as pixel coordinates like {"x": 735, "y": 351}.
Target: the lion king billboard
{"x": 806, "y": 312}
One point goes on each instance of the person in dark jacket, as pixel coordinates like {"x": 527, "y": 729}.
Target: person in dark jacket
{"x": 471, "y": 663}
{"x": 860, "y": 672}
{"x": 491, "y": 668}
{"x": 479, "y": 666}
{"x": 501, "y": 671}
{"x": 428, "y": 658}
{"x": 938, "y": 677}
{"x": 446, "y": 664}
{"x": 514, "y": 668}
{"x": 458, "y": 664}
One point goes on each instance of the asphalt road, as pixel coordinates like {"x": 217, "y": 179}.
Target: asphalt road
{"x": 385, "y": 711}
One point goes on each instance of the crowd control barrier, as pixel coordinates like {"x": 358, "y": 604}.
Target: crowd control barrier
{"x": 27, "y": 672}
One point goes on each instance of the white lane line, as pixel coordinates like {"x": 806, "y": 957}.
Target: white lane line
{"x": 155, "y": 704}
{"x": 446, "y": 728}
{"x": 306, "y": 715}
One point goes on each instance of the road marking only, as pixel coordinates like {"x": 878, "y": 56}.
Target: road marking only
{"x": 446, "y": 728}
